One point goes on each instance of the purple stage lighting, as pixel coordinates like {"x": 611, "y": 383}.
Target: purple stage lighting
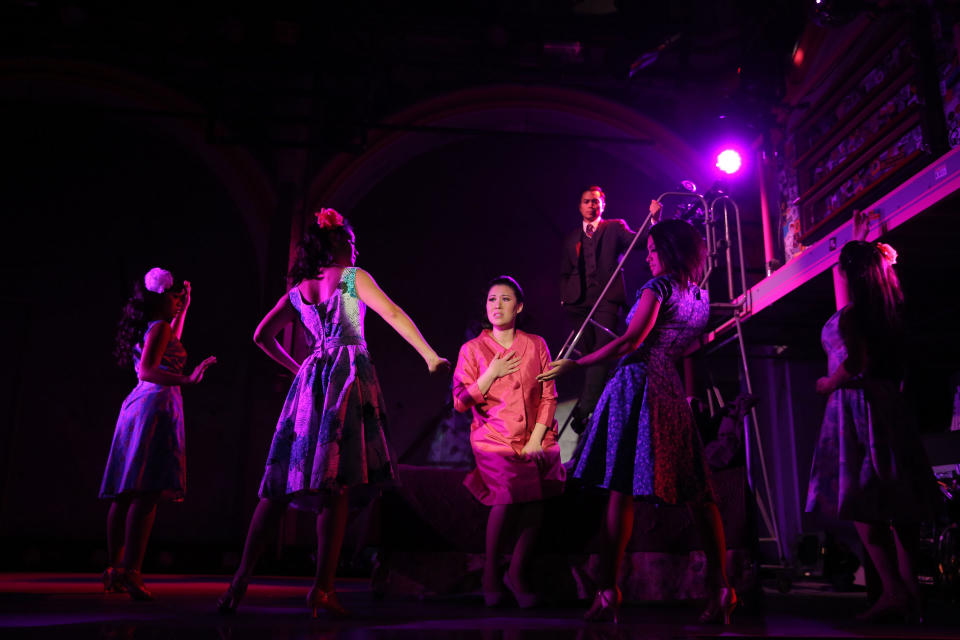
{"x": 729, "y": 161}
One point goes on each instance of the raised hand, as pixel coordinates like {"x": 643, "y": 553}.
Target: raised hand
{"x": 199, "y": 370}
{"x": 657, "y": 210}
{"x": 186, "y": 296}
{"x": 503, "y": 364}
{"x": 861, "y": 224}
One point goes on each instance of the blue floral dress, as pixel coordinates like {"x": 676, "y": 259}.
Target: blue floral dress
{"x": 642, "y": 438}
{"x": 869, "y": 464}
{"x": 332, "y": 431}
{"x": 147, "y": 453}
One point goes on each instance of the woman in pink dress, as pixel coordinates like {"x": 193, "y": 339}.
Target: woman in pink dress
{"x": 513, "y": 434}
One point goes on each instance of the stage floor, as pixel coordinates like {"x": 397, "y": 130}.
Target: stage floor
{"x": 45, "y": 605}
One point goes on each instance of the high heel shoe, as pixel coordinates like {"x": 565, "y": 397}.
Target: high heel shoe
{"x": 228, "y": 602}
{"x": 525, "y": 599}
{"x": 718, "y": 610}
{"x": 605, "y": 607}
{"x": 110, "y": 584}
{"x": 131, "y": 582}
{"x": 327, "y": 601}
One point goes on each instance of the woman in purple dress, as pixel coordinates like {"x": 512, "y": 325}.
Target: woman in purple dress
{"x": 642, "y": 440}
{"x": 146, "y": 462}
{"x": 332, "y": 433}
{"x": 869, "y": 465}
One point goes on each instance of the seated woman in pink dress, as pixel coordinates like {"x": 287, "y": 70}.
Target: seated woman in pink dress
{"x": 513, "y": 434}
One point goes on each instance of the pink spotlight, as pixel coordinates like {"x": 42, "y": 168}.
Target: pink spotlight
{"x": 729, "y": 161}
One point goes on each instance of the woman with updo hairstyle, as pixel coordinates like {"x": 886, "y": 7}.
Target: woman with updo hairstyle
{"x": 869, "y": 465}
{"x": 147, "y": 460}
{"x": 642, "y": 441}
{"x": 331, "y": 438}
{"x": 513, "y": 434}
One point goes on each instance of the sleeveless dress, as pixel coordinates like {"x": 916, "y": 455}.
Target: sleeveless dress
{"x": 642, "y": 438}
{"x": 869, "y": 464}
{"x": 332, "y": 431}
{"x": 504, "y": 419}
{"x": 147, "y": 453}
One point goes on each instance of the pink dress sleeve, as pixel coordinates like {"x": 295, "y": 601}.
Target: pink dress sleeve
{"x": 548, "y": 390}
{"x": 466, "y": 391}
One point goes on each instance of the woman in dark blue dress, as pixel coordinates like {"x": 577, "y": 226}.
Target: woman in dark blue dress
{"x": 146, "y": 462}
{"x": 642, "y": 440}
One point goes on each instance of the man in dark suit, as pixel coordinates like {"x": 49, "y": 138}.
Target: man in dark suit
{"x": 591, "y": 254}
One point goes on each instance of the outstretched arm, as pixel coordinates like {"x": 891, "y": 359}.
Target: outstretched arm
{"x": 374, "y": 297}
{"x": 640, "y": 325}
{"x": 265, "y": 335}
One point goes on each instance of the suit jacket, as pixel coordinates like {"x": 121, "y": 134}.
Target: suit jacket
{"x": 612, "y": 237}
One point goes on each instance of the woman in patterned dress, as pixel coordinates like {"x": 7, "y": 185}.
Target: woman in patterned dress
{"x": 146, "y": 461}
{"x": 513, "y": 434}
{"x": 869, "y": 465}
{"x": 642, "y": 440}
{"x": 331, "y": 435}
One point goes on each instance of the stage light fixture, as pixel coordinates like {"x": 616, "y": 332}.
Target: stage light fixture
{"x": 729, "y": 161}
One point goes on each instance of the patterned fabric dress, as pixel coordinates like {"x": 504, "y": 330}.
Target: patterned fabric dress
{"x": 147, "y": 453}
{"x": 642, "y": 438}
{"x": 332, "y": 430}
{"x": 869, "y": 464}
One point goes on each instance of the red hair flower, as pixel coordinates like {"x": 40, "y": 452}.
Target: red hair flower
{"x": 329, "y": 218}
{"x": 889, "y": 253}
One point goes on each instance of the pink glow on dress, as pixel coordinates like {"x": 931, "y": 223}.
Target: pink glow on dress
{"x": 503, "y": 420}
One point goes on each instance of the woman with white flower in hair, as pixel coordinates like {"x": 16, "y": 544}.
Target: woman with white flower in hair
{"x": 869, "y": 465}
{"x": 146, "y": 461}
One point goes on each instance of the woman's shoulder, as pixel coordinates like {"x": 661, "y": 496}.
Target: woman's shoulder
{"x": 533, "y": 338}
{"x": 662, "y": 286}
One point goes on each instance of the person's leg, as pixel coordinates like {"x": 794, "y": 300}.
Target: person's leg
{"x": 878, "y": 540}
{"x": 530, "y": 517}
{"x": 139, "y": 523}
{"x": 496, "y": 522}
{"x": 266, "y": 517}
{"x": 595, "y": 377}
{"x": 141, "y": 513}
{"x": 721, "y": 598}
{"x": 331, "y": 528}
{"x": 116, "y": 529}
{"x": 906, "y": 537}
{"x": 712, "y": 537}
{"x": 618, "y": 527}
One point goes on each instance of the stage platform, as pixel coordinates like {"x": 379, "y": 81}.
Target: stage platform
{"x": 47, "y": 605}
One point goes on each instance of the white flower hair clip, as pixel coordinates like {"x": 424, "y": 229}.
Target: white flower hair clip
{"x": 158, "y": 280}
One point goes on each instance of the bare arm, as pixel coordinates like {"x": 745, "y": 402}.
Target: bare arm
{"x": 179, "y": 319}
{"x": 265, "y": 335}
{"x": 855, "y": 362}
{"x": 374, "y": 297}
{"x": 154, "y": 344}
{"x": 640, "y": 325}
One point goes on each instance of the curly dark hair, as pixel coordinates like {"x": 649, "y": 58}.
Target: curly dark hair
{"x": 680, "y": 248}
{"x": 507, "y": 281}
{"x": 318, "y": 249}
{"x": 875, "y": 315}
{"x": 142, "y": 307}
